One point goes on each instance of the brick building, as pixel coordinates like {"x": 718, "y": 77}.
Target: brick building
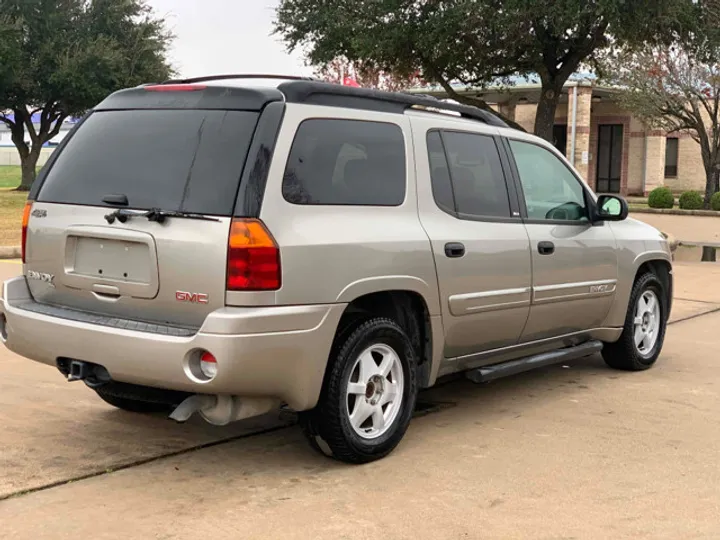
{"x": 613, "y": 150}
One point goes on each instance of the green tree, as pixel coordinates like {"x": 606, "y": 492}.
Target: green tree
{"x": 59, "y": 58}
{"x": 677, "y": 91}
{"x": 476, "y": 42}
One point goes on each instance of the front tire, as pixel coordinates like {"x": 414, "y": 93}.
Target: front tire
{"x": 644, "y": 332}
{"x": 368, "y": 396}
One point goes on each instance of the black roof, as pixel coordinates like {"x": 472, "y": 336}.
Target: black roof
{"x": 292, "y": 90}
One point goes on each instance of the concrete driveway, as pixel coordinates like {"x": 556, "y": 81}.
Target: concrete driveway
{"x": 564, "y": 452}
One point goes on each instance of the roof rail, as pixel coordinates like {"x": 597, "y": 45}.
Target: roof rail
{"x": 238, "y": 76}
{"x": 321, "y": 93}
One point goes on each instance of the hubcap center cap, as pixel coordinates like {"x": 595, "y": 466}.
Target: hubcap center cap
{"x": 374, "y": 389}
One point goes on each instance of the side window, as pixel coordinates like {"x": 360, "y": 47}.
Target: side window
{"x": 440, "y": 173}
{"x": 467, "y": 174}
{"x": 551, "y": 191}
{"x": 346, "y": 162}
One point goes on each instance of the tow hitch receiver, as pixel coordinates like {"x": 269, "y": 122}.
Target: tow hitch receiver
{"x": 94, "y": 375}
{"x": 78, "y": 371}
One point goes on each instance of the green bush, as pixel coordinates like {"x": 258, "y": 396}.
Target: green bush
{"x": 691, "y": 200}
{"x": 661, "y": 197}
{"x": 715, "y": 201}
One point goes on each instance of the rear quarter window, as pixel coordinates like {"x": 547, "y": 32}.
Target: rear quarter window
{"x": 182, "y": 160}
{"x": 346, "y": 162}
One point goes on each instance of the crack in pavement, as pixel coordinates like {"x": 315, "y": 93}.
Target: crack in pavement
{"x": 423, "y": 408}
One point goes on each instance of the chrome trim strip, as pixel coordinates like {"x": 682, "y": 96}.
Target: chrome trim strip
{"x": 489, "y": 294}
{"x": 562, "y": 286}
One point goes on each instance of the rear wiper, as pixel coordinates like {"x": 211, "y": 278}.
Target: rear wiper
{"x": 155, "y": 214}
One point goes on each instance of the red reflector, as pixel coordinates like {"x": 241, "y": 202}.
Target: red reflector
{"x": 208, "y": 357}
{"x": 175, "y": 87}
{"x": 253, "y": 257}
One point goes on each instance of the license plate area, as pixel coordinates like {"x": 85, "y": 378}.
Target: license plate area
{"x": 97, "y": 257}
{"x": 118, "y": 260}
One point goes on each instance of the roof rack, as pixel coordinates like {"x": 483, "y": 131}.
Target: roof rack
{"x": 238, "y": 76}
{"x": 321, "y": 93}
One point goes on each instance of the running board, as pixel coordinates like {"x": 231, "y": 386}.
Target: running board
{"x": 490, "y": 373}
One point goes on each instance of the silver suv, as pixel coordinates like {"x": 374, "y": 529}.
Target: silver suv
{"x": 222, "y": 248}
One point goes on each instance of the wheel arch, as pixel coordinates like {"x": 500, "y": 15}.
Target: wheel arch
{"x": 411, "y": 310}
{"x": 658, "y": 262}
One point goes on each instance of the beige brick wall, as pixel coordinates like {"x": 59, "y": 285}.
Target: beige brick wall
{"x": 635, "y": 164}
{"x": 525, "y": 115}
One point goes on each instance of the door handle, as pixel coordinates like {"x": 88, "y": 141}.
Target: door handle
{"x": 454, "y": 250}
{"x": 546, "y": 248}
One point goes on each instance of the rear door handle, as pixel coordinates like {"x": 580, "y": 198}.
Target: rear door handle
{"x": 546, "y": 248}
{"x": 454, "y": 250}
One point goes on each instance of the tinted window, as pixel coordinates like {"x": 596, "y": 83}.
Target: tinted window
{"x": 188, "y": 160}
{"x": 551, "y": 191}
{"x": 671, "y": 158}
{"x": 475, "y": 171}
{"x": 440, "y": 173}
{"x": 346, "y": 162}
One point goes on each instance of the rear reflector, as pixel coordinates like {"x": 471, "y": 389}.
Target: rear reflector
{"x": 253, "y": 257}
{"x": 25, "y": 222}
{"x": 175, "y": 87}
{"x": 208, "y": 365}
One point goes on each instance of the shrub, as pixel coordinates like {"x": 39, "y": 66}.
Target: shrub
{"x": 661, "y": 197}
{"x": 715, "y": 201}
{"x": 691, "y": 200}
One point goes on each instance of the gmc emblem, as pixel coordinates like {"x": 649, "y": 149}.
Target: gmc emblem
{"x": 193, "y": 298}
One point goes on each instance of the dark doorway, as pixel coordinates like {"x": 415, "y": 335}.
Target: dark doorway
{"x": 609, "y": 164}
{"x": 560, "y": 137}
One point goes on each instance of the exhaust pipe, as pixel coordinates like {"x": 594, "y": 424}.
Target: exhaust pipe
{"x": 221, "y": 410}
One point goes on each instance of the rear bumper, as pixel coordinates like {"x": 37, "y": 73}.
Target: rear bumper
{"x": 278, "y": 352}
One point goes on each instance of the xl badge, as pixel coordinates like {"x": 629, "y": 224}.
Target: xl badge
{"x": 39, "y": 276}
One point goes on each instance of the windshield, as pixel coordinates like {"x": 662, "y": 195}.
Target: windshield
{"x": 179, "y": 160}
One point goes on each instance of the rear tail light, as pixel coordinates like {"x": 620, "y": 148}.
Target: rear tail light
{"x": 253, "y": 257}
{"x": 25, "y": 222}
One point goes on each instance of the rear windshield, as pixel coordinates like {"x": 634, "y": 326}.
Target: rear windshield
{"x": 181, "y": 160}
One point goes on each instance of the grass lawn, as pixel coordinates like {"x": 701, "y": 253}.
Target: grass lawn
{"x": 11, "y": 206}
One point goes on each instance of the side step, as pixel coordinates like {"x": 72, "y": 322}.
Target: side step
{"x": 490, "y": 373}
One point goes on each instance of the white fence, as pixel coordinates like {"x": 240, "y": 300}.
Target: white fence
{"x": 9, "y": 156}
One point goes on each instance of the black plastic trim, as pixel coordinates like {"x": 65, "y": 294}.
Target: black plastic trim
{"x": 335, "y": 95}
{"x": 251, "y": 190}
{"x": 105, "y": 320}
{"x": 513, "y": 367}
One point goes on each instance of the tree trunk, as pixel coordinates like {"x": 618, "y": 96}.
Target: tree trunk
{"x": 712, "y": 183}
{"x": 545, "y": 115}
{"x": 28, "y": 166}
{"x": 709, "y": 254}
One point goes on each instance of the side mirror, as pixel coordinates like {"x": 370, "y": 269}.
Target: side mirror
{"x": 611, "y": 208}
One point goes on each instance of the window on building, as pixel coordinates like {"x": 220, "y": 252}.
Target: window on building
{"x": 346, "y": 162}
{"x": 467, "y": 175}
{"x": 671, "y": 158}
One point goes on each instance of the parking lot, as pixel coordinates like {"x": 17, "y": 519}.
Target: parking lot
{"x": 575, "y": 451}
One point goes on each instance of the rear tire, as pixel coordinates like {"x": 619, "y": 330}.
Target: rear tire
{"x": 130, "y": 404}
{"x": 643, "y": 335}
{"x": 368, "y": 396}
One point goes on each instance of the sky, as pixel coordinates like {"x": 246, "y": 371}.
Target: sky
{"x": 226, "y": 36}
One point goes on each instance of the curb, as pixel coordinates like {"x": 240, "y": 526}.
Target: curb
{"x": 674, "y": 212}
{"x": 10, "y": 252}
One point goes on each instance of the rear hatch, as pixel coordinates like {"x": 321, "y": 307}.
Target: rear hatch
{"x": 132, "y": 217}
